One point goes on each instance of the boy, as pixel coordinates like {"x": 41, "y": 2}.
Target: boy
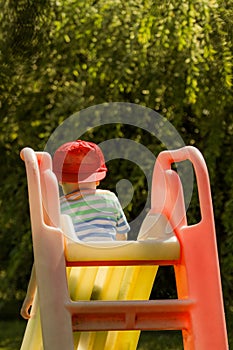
{"x": 96, "y": 214}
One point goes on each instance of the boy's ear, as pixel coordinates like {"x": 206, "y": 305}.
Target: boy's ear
{"x": 97, "y": 183}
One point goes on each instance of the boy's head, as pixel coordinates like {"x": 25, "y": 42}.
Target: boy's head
{"x": 79, "y": 162}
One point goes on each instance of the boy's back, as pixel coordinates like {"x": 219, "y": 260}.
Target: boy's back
{"x": 96, "y": 214}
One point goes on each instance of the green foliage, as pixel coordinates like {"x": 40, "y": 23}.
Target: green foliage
{"x": 11, "y": 333}
{"x": 58, "y": 57}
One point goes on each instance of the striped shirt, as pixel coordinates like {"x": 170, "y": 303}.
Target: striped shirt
{"x": 96, "y": 214}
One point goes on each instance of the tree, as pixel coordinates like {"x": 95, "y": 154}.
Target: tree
{"x": 60, "y": 57}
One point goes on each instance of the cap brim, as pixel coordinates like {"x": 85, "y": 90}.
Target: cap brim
{"x": 82, "y": 178}
{"x": 92, "y": 178}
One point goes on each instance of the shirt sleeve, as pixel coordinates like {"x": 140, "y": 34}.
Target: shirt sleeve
{"x": 122, "y": 226}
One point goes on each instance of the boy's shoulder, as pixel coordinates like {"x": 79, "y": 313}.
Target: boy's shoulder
{"x": 98, "y": 194}
{"x": 105, "y": 193}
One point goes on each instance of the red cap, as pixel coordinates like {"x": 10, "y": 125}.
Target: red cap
{"x": 79, "y": 161}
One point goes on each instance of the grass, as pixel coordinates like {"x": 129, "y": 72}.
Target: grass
{"x": 160, "y": 340}
{"x": 11, "y": 334}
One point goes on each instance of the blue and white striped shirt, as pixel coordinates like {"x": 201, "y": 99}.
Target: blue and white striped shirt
{"x": 96, "y": 214}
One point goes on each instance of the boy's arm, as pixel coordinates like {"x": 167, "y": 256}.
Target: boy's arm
{"x": 24, "y": 312}
{"x": 121, "y": 236}
{"x": 122, "y": 226}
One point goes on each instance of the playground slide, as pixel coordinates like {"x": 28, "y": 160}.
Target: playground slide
{"x": 112, "y": 283}
{"x": 89, "y": 283}
{"x": 99, "y": 283}
{"x": 130, "y": 282}
{"x": 32, "y": 339}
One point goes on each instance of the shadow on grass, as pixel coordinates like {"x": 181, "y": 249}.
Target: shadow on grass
{"x": 171, "y": 340}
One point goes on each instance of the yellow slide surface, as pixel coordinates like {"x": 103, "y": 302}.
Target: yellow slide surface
{"x": 99, "y": 283}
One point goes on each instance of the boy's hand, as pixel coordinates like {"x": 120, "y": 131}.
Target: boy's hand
{"x": 121, "y": 236}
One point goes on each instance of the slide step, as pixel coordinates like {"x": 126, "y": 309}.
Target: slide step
{"x": 130, "y": 315}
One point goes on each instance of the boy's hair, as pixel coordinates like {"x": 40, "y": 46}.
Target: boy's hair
{"x": 79, "y": 161}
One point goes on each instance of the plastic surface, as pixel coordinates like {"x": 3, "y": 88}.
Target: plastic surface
{"x": 198, "y": 311}
{"x": 197, "y": 273}
{"x": 100, "y": 283}
{"x": 156, "y": 241}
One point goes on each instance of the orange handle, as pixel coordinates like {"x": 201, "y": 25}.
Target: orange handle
{"x": 166, "y": 158}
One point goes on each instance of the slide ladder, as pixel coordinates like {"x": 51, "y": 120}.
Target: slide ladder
{"x": 95, "y": 295}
